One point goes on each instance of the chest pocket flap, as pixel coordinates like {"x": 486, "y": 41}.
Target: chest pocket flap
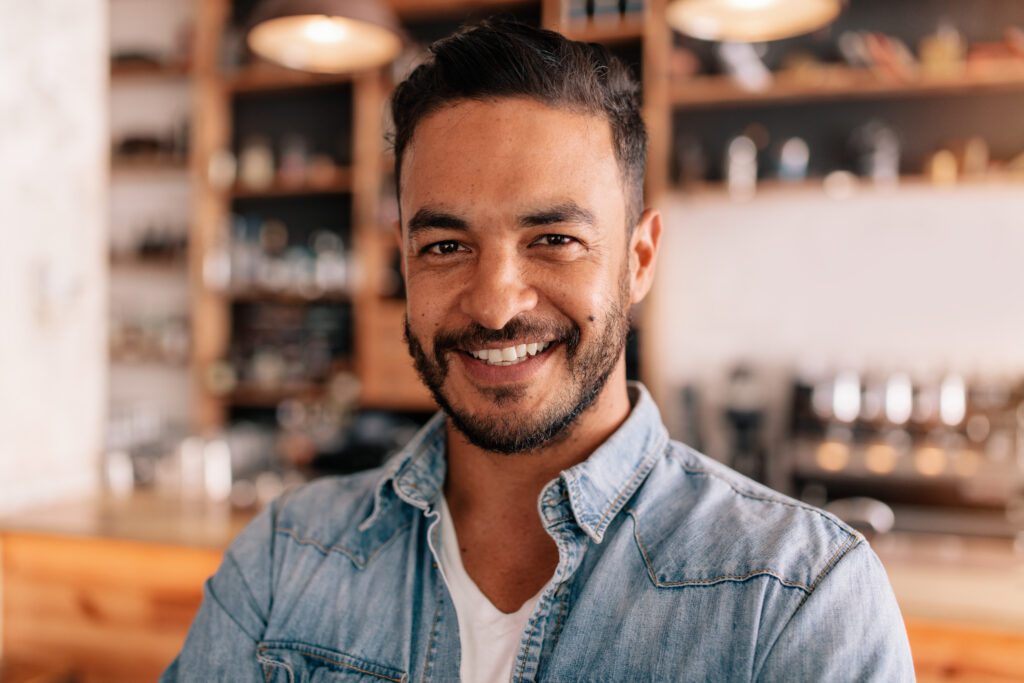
{"x": 295, "y": 662}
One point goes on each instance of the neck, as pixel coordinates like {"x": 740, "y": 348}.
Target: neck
{"x": 496, "y": 485}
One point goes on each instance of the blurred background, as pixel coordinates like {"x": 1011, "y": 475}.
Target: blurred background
{"x": 201, "y": 304}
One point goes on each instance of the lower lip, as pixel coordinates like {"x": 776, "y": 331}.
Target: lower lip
{"x": 502, "y": 374}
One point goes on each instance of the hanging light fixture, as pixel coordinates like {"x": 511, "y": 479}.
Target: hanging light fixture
{"x": 325, "y": 36}
{"x": 750, "y": 21}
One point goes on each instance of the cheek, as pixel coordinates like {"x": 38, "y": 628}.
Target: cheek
{"x": 425, "y": 305}
{"x": 584, "y": 297}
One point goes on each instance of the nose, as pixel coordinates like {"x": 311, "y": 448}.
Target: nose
{"x": 498, "y": 290}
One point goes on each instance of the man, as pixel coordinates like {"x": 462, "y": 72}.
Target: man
{"x": 542, "y": 526}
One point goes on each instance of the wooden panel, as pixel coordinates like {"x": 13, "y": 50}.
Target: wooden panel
{"x": 210, "y": 133}
{"x": 952, "y": 652}
{"x": 110, "y": 610}
{"x": 389, "y": 379}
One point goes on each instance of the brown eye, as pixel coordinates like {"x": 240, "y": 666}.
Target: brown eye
{"x": 556, "y": 240}
{"x": 443, "y": 248}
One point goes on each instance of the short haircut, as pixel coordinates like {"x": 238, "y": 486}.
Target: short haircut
{"x": 501, "y": 58}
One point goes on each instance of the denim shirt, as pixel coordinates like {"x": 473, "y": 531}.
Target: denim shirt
{"x": 672, "y": 567}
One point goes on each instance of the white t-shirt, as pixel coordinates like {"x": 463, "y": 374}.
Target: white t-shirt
{"x": 489, "y": 638}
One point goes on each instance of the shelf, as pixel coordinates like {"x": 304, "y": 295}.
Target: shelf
{"x": 147, "y": 165}
{"x": 843, "y": 83}
{"x": 423, "y": 9}
{"x": 147, "y": 362}
{"x": 258, "y": 295}
{"x": 604, "y": 31}
{"x": 773, "y": 187}
{"x": 157, "y": 264}
{"x": 341, "y": 185}
{"x": 257, "y": 396}
{"x": 144, "y": 71}
{"x": 269, "y": 78}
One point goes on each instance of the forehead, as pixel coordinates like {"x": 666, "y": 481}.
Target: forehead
{"x": 511, "y": 153}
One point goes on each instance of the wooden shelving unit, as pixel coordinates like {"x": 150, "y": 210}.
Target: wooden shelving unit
{"x": 428, "y": 9}
{"x": 843, "y": 83}
{"x": 256, "y": 396}
{"x": 268, "y": 78}
{"x": 340, "y": 185}
{"x": 147, "y": 165}
{"x": 604, "y": 31}
{"x": 254, "y": 295}
{"x": 379, "y": 356}
{"x": 142, "y": 71}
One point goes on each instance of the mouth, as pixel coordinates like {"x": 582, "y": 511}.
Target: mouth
{"x": 509, "y": 355}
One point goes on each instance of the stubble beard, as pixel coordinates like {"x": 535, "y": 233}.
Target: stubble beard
{"x": 590, "y": 365}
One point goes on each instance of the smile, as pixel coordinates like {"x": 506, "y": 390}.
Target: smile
{"x": 510, "y": 355}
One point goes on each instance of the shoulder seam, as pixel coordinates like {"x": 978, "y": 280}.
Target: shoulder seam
{"x": 661, "y": 582}
{"x": 767, "y": 499}
{"x": 840, "y": 553}
{"x": 217, "y": 600}
{"x": 356, "y": 559}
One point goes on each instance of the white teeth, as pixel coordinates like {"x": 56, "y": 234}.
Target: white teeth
{"x": 510, "y": 355}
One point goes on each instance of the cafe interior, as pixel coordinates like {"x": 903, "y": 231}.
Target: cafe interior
{"x": 202, "y": 306}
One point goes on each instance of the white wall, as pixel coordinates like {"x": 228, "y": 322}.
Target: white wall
{"x": 53, "y": 180}
{"x": 922, "y": 279}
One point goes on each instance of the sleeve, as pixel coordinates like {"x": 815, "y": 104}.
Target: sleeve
{"x": 221, "y": 643}
{"x": 848, "y": 629}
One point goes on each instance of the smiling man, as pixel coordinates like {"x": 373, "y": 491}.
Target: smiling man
{"x": 542, "y": 526}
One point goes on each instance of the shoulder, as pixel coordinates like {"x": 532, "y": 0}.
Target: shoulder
{"x": 328, "y": 501}
{"x": 325, "y": 514}
{"x": 697, "y": 522}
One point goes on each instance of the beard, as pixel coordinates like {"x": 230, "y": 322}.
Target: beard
{"x": 590, "y": 364}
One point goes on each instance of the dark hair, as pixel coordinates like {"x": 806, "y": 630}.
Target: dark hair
{"x": 503, "y": 58}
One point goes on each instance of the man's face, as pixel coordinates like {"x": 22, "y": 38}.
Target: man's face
{"x": 515, "y": 256}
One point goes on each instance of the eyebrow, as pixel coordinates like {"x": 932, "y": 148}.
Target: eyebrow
{"x": 428, "y": 218}
{"x": 565, "y": 212}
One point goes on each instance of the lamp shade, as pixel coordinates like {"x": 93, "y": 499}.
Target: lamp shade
{"x": 750, "y": 21}
{"x": 325, "y": 36}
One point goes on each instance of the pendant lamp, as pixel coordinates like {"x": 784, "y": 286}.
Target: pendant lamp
{"x": 325, "y": 36}
{"x": 750, "y": 21}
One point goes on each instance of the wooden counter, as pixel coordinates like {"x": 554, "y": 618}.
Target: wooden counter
{"x": 106, "y": 589}
{"x": 963, "y": 603}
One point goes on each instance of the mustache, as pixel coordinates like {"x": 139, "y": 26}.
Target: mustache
{"x": 476, "y": 336}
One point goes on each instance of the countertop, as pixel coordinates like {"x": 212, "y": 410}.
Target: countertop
{"x": 972, "y": 581}
{"x": 144, "y": 516}
{"x": 969, "y": 580}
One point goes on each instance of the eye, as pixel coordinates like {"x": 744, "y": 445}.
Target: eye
{"x": 555, "y": 240}
{"x": 442, "y": 248}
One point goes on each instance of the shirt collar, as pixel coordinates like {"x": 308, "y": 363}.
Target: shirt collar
{"x": 601, "y": 485}
{"x": 597, "y": 488}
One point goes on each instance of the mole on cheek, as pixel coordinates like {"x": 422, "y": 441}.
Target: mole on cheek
{"x": 590, "y": 318}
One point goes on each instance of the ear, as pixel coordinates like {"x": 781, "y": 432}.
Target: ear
{"x": 643, "y": 253}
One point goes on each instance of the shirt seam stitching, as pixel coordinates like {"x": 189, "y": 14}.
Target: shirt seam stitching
{"x": 350, "y": 554}
{"x": 701, "y": 582}
{"x": 766, "y": 499}
{"x": 253, "y": 602}
{"x": 230, "y": 616}
{"x": 842, "y": 552}
{"x": 645, "y": 467}
{"x": 263, "y": 647}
